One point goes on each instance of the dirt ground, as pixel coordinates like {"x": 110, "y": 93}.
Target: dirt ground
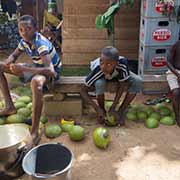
{"x": 134, "y": 153}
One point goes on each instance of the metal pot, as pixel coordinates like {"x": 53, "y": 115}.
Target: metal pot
{"x": 13, "y": 137}
{"x": 50, "y": 161}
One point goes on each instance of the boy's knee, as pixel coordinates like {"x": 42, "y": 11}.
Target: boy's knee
{"x": 100, "y": 83}
{"x": 100, "y": 86}
{"x": 135, "y": 84}
{"x": 36, "y": 83}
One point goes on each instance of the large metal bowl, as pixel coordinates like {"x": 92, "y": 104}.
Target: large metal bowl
{"x": 12, "y": 138}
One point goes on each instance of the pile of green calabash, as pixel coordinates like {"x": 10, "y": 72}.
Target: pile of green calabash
{"x": 152, "y": 116}
{"x": 23, "y": 106}
{"x": 75, "y": 132}
{"x": 100, "y": 135}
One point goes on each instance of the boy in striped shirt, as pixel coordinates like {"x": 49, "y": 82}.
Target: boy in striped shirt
{"x": 110, "y": 66}
{"x": 44, "y": 69}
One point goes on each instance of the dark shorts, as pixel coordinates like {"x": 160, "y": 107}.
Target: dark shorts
{"x": 27, "y": 76}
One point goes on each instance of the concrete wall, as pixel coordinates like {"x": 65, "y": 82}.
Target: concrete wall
{"x": 82, "y": 42}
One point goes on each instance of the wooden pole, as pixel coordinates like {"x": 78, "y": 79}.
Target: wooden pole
{"x": 37, "y": 13}
{"x": 111, "y": 33}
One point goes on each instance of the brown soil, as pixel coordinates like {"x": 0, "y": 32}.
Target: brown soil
{"x": 135, "y": 152}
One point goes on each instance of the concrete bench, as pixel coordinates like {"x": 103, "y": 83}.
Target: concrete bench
{"x": 151, "y": 84}
{"x": 72, "y": 84}
{"x": 65, "y": 99}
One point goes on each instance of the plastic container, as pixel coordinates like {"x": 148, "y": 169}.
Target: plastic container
{"x": 153, "y": 59}
{"x": 154, "y": 8}
{"x": 155, "y": 32}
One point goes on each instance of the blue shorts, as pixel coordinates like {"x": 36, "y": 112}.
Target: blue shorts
{"x": 135, "y": 84}
{"x": 27, "y": 76}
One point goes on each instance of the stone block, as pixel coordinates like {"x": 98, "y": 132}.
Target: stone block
{"x": 58, "y": 96}
{"x": 69, "y": 107}
{"x": 48, "y": 97}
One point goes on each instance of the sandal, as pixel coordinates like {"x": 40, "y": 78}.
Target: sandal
{"x": 164, "y": 98}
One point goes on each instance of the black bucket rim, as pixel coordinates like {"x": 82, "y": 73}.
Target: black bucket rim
{"x": 47, "y": 175}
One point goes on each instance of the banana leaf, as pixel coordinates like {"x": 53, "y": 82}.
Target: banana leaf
{"x": 104, "y": 20}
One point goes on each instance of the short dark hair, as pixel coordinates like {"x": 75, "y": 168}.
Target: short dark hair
{"x": 110, "y": 52}
{"x": 28, "y": 18}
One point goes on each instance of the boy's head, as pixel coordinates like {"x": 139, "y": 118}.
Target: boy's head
{"x": 108, "y": 60}
{"x": 27, "y": 27}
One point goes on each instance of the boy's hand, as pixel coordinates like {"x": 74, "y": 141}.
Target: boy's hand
{"x": 8, "y": 61}
{"x": 16, "y": 68}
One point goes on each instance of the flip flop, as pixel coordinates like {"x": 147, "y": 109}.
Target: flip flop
{"x": 158, "y": 100}
{"x": 28, "y": 121}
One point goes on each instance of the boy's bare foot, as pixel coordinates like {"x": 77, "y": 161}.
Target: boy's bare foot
{"x": 36, "y": 138}
{"x": 33, "y": 141}
{"x": 120, "y": 118}
{"x": 101, "y": 116}
{"x": 121, "y": 121}
{"x": 8, "y": 111}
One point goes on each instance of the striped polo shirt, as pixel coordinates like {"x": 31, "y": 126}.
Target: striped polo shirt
{"x": 40, "y": 45}
{"x": 121, "y": 72}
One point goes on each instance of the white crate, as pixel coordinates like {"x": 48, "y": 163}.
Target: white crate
{"x": 153, "y": 59}
{"x": 154, "y": 9}
{"x": 159, "y": 31}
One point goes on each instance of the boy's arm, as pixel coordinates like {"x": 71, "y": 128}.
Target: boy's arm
{"x": 48, "y": 68}
{"x": 87, "y": 98}
{"x": 170, "y": 66}
{"x": 89, "y": 81}
{"x": 123, "y": 75}
{"x": 170, "y": 59}
{"x": 119, "y": 92}
{"x": 13, "y": 57}
{"x": 84, "y": 94}
{"x": 47, "y": 71}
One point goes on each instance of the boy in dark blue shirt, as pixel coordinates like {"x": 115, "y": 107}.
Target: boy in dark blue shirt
{"x": 45, "y": 68}
{"x": 110, "y": 66}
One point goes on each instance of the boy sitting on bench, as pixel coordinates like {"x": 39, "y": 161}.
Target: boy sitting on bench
{"x": 44, "y": 69}
{"x": 110, "y": 66}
